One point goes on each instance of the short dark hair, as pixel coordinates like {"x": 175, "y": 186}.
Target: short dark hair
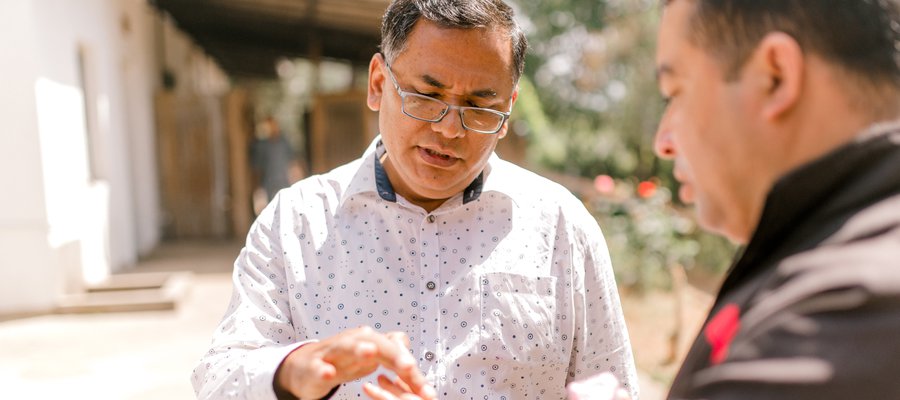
{"x": 860, "y": 36}
{"x": 401, "y": 16}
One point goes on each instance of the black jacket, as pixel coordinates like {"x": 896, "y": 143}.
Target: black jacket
{"x": 811, "y": 309}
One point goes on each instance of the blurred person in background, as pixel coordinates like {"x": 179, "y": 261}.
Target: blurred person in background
{"x": 274, "y": 164}
{"x": 429, "y": 257}
{"x": 783, "y": 121}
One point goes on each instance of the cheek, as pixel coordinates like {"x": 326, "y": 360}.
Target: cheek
{"x": 397, "y": 128}
{"x": 485, "y": 146}
{"x": 699, "y": 131}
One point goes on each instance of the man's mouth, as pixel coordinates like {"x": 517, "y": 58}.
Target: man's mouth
{"x": 686, "y": 190}
{"x": 686, "y": 193}
{"x": 438, "y": 154}
{"x": 437, "y": 158}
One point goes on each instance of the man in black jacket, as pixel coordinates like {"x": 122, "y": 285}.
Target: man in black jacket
{"x": 782, "y": 121}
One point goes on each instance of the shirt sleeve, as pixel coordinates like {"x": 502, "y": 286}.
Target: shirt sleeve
{"x": 256, "y": 333}
{"x": 601, "y": 342}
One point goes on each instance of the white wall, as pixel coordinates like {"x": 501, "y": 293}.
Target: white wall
{"x": 92, "y": 27}
{"x": 26, "y": 259}
{"x": 142, "y": 77}
{"x": 78, "y": 168}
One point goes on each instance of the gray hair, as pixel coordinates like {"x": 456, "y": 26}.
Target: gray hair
{"x": 402, "y": 15}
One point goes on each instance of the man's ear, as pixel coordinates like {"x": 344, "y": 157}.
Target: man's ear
{"x": 376, "y": 82}
{"x": 778, "y": 65}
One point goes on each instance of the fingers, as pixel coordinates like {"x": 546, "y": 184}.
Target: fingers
{"x": 403, "y": 364}
{"x": 395, "y": 387}
{"x": 317, "y": 367}
{"x": 394, "y": 347}
{"x": 398, "y": 386}
{"x": 365, "y": 350}
{"x": 401, "y": 390}
{"x": 323, "y": 370}
{"x": 360, "y": 353}
{"x": 392, "y": 353}
{"x": 304, "y": 374}
{"x": 604, "y": 386}
{"x": 377, "y": 393}
{"x": 400, "y": 338}
{"x": 389, "y": 390}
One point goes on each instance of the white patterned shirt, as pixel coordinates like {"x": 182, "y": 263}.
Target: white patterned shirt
{"x": 506, "y": 290}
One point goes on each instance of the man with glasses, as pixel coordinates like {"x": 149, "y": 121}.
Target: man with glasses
{"x": 429, "y": 257}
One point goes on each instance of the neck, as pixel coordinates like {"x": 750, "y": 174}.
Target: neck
{"x": 833, "y": 114}
{"x": 403, "y": 190}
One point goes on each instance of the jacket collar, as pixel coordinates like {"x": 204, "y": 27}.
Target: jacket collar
{"x": 810, "y": 203}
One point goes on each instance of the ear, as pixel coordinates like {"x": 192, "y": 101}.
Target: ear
{"x": 778, "y": 64}
{"x": 514, "y": 97}
{"x": 376, "y": 82}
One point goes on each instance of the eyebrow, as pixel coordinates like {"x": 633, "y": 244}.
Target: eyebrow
{"x": 482, "y": 93}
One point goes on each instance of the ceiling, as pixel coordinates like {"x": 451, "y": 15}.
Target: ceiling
{"x": 246, "y": 37}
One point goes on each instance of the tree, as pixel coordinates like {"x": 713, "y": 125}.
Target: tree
{"x": 591, "y": 67}
{"x": 589, "y": 103}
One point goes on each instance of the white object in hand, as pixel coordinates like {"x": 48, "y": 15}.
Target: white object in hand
{"x": 603, "y": 386}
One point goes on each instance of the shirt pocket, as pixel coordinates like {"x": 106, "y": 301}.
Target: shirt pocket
{"x": 518, "y": 319}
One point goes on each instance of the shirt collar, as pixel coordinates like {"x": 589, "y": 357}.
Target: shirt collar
{"x": 362, "y": 181}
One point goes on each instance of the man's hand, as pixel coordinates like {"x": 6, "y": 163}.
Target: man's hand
{"x": 604, "y": 386}
{"x": 311, "y": 371}
{"x": 390, "y": 390}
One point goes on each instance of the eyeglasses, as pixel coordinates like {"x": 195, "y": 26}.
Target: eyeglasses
{"x": 429, "y": 109}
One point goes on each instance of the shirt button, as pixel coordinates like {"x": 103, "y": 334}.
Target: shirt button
{"x": 431, "y": 218}
{"x": 429, "y": 356}
{"x": 430, "y": 285}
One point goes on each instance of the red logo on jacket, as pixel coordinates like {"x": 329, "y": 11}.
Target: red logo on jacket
{"x": 721, "y": 330}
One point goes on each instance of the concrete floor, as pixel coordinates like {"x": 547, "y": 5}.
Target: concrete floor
{"x": 131, "y": 355}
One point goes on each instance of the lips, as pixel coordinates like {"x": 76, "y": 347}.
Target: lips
{"x": 686, "y": 191}
{"x": 437, "y": 157}
{"x": 438, "y": 154}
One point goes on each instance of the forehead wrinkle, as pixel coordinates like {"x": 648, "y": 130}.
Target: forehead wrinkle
{"x": 485, "y": 93}
{"x": 433, "y": 81}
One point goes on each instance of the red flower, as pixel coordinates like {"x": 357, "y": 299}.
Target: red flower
{"x": 604, "y": 184}
{"x": 646, "y": 189}
{"x": 721, "y": 330}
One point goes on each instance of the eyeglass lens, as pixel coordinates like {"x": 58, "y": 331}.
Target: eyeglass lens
{"x": 430, "y": 109}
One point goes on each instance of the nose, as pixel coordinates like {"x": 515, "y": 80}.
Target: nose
{"x": 451, "y": 125}
{"x": 662, "y": 142}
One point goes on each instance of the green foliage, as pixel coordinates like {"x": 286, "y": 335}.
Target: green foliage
{"x": 560, "y": 16}
{"x": 592, "y": 69}
{"x": 589, "y": 104}
{"x": 646, "y": 236}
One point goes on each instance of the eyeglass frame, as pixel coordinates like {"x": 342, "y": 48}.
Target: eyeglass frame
{"x": 447, "y": 107}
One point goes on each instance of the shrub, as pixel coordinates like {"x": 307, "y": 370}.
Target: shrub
{"x": 647, "y": 235}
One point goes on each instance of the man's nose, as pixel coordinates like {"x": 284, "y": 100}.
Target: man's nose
{"x": 451, "y": 125}
{"x": 662, "y": 142}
